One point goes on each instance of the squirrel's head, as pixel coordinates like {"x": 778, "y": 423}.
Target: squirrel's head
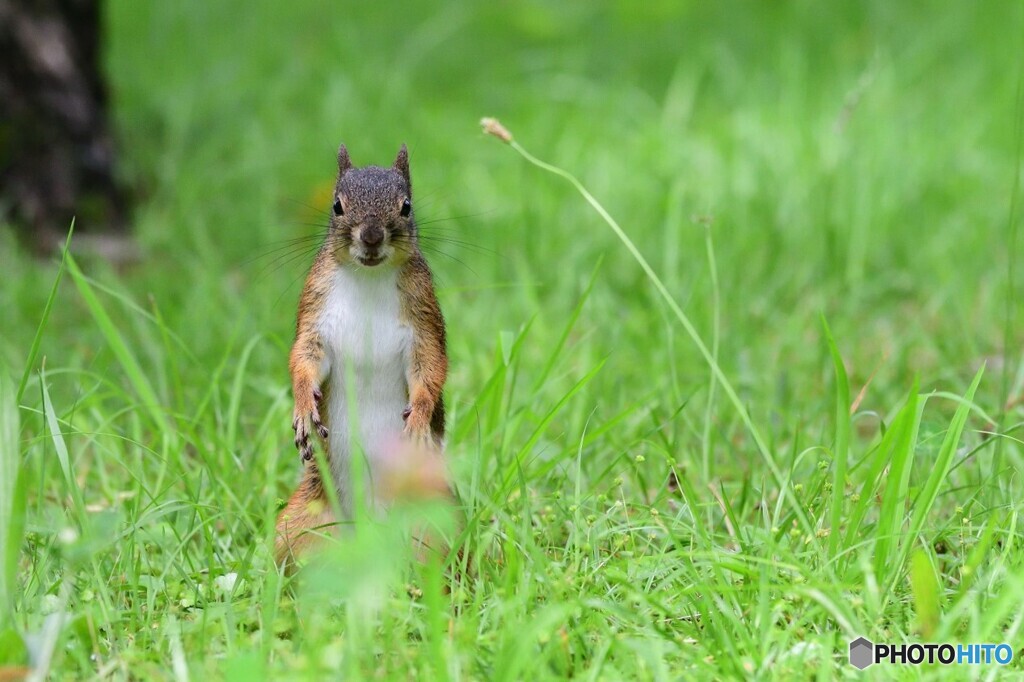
{"x": 373, "y": 219}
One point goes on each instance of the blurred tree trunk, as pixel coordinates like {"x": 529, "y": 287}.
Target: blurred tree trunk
{"x": 56, "y": 150}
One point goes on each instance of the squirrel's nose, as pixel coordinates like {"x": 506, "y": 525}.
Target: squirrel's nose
{"x": 372, "y": 237}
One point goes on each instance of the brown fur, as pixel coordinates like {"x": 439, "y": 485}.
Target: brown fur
{"x": 372, "y": 200}
{"x": 429, "y": 366}
{"x": 307, "y": 515}
{"x": 306, "y": 356}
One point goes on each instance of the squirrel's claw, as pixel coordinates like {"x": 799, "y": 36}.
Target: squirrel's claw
{"x": 319, "y": 425}
{"x": 303, "y": 442}
{"x": 304, "y": 422}
{"x": 301, "y": 436}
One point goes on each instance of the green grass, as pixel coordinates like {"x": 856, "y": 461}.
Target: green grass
{"x": 633, "y": 512}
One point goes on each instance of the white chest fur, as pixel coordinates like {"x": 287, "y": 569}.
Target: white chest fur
{"x": 366, "y": 355}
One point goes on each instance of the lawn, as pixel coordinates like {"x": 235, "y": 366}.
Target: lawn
{"x": 639, "y": 502}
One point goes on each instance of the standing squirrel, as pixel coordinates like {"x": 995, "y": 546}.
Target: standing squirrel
{"x": 369, "y": 331}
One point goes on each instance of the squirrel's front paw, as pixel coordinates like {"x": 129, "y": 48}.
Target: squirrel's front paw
{"x": 417, "y": 427}
{"x": 305, "y": 420}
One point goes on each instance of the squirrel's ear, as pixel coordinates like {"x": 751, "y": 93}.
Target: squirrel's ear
{"x": 402, "y": 164}
{"x": 344, "y": 163}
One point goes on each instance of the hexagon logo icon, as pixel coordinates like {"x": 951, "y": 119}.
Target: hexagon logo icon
{"x": 861, "y": 653}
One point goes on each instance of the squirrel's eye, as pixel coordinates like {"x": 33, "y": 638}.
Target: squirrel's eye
{"x": 406, "y": 208}
{"x": 338, "y": 210}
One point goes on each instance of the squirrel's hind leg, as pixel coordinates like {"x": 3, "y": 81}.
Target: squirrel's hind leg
{"x": 305, "y": 520}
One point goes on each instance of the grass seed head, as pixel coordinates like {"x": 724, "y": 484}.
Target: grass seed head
{"x": 492, "y": 126}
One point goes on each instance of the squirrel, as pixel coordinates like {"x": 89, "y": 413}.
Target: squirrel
{"x": 369, "y": 328}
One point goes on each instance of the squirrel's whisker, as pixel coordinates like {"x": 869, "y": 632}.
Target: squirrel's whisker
{"x": 294, "y": 240}
{"x": 288, "y": 288}
{"x": 454, "y": 217}
{"x": 277, "y": 251}
{"x": 468, "y": 246}
{"x": 284, "y": 259}
{"x": 307, "y": 206}
{"x": 448, "y": 255}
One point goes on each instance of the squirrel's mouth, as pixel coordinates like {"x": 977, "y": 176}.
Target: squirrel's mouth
{"x": 370, "y": 261}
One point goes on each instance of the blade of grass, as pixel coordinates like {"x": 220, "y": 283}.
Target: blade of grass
{"x": 716, "y": 329}
{"x": 237, "y": 388}
{"x": 514, "y": 468}
{"x": 119, "y": 346}
{"x": 33, "y": 351}
{"x": 897, "y": 483}
{"x": 841, "y": 450}
{"x": 925, "y": 500}
{"x": 556, "y": 408}
{"x": 122, "y": 298}
{"x": 873, "y": 477}
{"x": 63, "y": 457}
{"x": 924, "y": 587}
{"x": 12, "y": 497}
{"x": 1012, "y": 229}
{"x": 556, "y": 351}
